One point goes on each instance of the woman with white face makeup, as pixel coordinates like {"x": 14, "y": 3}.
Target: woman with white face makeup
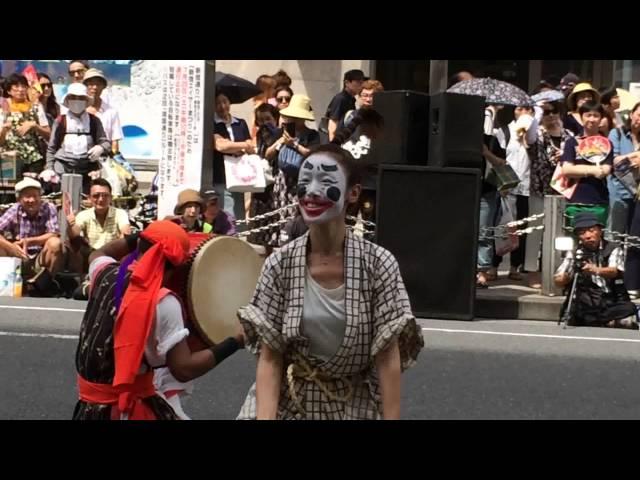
{"x": 330, "y": 317}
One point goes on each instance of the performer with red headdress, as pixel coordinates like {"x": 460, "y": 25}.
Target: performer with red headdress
{"x": 134, "y": 324}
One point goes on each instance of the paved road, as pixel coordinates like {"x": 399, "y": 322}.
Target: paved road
{"x": 491, "y": 369}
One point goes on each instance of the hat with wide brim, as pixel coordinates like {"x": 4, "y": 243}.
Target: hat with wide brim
{"x": 187, "y": 196}
{"x": 299, "y": 107}
{"x": 77, "y": 89}
{"x": 581, "y": 87}
{"x": 94, "y": 73}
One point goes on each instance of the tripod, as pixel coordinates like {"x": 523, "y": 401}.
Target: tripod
{"x": 568, "y": 313}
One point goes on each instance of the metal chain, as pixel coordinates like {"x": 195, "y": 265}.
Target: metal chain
{"x": 366, "y": 223}
{"x": 266, "y": 215}
{"x": 517, "y": 233}
{"x": 515, "y": 223}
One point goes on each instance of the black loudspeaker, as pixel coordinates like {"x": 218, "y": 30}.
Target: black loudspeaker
{"x": 456, "y": 125}
{"x": 405, "y": 138}
{"x": 428, "y": 218}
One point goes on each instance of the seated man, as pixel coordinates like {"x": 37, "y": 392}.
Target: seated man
{"x": 29, "y": 230}
{"x": 93, "y": 228}
{"x": 601, "y": 298}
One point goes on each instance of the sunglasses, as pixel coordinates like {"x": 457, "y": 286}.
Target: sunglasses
{"x": 96, "y": 196}
{"x": 283, "y": 99}
{"x": 550, "y": 112}
{"x": 45, "y": 84}
{"x": 77, "y": 72}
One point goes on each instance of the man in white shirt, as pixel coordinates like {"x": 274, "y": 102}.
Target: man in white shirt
{"x": 96, "y": 82}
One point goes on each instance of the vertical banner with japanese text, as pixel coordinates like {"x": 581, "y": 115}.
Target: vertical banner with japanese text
{"x": 183, "y": 125}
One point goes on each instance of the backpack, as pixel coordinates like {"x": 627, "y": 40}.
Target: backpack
{"x": 61, "y": 132}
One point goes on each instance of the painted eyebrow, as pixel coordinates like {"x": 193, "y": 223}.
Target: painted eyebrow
{"x": 329, "y": 168}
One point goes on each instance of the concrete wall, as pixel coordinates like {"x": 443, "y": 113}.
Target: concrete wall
{"x": 319, "y": 79}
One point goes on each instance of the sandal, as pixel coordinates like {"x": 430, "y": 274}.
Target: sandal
{"x": 481, "y": 280}
{"x": 491, "y": 274}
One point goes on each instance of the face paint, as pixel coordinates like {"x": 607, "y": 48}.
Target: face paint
{"x": 322, "y": 187}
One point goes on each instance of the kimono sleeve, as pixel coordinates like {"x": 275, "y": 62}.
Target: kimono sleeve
{"x": 262, "y": 319}
{"x": 392, "y": 314}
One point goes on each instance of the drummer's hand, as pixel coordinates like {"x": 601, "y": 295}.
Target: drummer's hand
{"x": 240, "y": 336}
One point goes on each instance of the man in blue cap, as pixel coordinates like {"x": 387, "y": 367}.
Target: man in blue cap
{"x": 601, "y": 298}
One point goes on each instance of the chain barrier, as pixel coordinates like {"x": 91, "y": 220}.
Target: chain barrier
{"x": 503, "y": 231}
{"x": 265, "y": 228}
{"x": 267, "y": 215}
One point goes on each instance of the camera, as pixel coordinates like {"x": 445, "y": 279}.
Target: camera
{"x": 579, "y": 255}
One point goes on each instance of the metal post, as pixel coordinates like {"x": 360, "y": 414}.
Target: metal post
{"x": 553, "y": 227}
{"x": 71, "y": 183}
{"x": 438, "y": 76}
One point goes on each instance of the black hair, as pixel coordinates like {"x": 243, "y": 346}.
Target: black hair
{"x": 100, "y": 182}
{"x": 284, "y": 88}
{"x": 591, "y": 106}
{"x": 51, "y": 107}
{"x": 85, "y": 63}
{"x": 352, "y": 75}
{"x": 267, "y": 108}
{"x": 607, "y": 94}
{"x": 14, "y": 79}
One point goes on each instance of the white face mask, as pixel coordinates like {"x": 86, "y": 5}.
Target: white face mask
{"x": 77, "y": 106}
{"x": 322, "y": 188}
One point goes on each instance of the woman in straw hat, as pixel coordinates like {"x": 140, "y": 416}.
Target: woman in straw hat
{"x": 582, "y": 93}
{"x": 330, "y": 317}
{"x": 291, "y": 147}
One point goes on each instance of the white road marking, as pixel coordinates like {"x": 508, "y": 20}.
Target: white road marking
{"x": 39, "y": 335}
{"x": 539, "y": 335}
{"x": 50, "y": 309}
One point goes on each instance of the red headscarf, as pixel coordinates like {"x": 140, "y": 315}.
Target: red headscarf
{"x": 138, "y": 309}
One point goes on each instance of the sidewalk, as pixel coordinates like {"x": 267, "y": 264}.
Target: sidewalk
{"x": 510, "y": 299}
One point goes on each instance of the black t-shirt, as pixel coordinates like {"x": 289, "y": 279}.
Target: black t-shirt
{"x": 240, "y": 134}
{"x": 571, "y": 124}
{"x": 340, "y": 104}
{"x": 590, "y": 190}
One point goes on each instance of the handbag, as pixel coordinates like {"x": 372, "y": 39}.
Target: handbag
{"x": 503, "y": 177}
{"x": 244, "y": 173}
{"x": 511, "y": 243}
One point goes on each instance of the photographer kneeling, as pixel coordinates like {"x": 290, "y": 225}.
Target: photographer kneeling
{"x": 601, "y": 298}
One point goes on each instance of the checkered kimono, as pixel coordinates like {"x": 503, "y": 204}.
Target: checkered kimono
{"x": 377, "y": 310}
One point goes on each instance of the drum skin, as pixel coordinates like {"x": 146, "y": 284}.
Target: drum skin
{"x": 219, "y": 278}
{"x": 222, "y": 279}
